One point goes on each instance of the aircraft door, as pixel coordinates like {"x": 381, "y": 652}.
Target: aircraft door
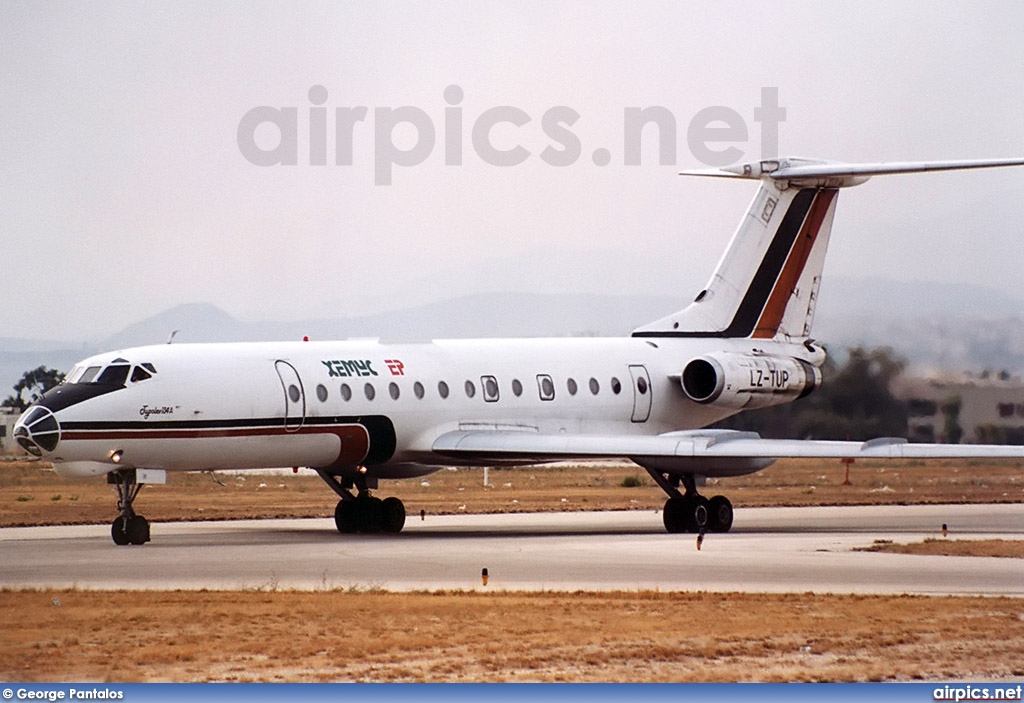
{"x": 641, "y": 393}
{"x": 294, "y": 395}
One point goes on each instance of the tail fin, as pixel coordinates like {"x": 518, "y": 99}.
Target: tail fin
{"x": 767, "y": 280}
{"x": 766, "y": 283}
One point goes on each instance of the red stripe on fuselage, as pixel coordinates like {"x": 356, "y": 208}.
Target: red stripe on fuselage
{"x": 354, "y": 439}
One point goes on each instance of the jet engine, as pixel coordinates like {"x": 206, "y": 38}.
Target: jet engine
{"x": 736, "y": 380}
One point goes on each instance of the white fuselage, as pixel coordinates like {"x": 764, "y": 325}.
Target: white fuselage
{"x": 339, "y": 405}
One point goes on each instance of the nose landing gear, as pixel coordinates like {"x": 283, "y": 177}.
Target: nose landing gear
{"x": 127, "y": 528}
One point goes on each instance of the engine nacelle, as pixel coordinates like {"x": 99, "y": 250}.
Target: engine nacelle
{"x": 747, "y": 380}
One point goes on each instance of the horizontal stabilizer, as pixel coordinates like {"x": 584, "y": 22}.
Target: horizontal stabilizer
{"x": 832, "y": 174}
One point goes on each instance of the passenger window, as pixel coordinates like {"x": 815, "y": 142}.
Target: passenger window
{"x": 417, "y": 388}
{"x": 346, "y": 392}
{"x": 89, "y": 375}
{"x": 393, "y": 390}
{"x": 442, "y": 389}
{"x": 546, "y": 387}
{"x": 517, "y": 387}
{"x": 294, "y": 393}
{"x": 321, "y": 393}
{"x": 140, "y": 374}
{"x": 571, "y": 385}
{"x": 470, "y": 389}
{"x": 490, "y": 386}
{"x": 641, "y": 385}
{"x": 616, "y": 386}
{"x": 370, "y": 391}
{"x": 595, "y": 387}
{"x": 115, "y": 375}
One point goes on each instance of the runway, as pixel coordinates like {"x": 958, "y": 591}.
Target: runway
{"x": 769, "y": 550}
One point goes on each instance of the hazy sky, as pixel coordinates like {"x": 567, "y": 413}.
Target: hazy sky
{"x": 125, "y": 191}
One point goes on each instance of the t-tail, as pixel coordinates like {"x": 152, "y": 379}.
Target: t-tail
{"x": 766, "y": 284}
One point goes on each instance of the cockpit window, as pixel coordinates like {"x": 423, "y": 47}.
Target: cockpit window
{"x": 88, "y": 375}
{"x": 114, "y": 375}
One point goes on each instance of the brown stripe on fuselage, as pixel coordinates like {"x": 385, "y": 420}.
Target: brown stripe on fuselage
{"x": 774, "y": 310}
{"x": 354, "y": 439}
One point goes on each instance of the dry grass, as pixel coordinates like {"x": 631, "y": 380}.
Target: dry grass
{"x": 1011, "y": 549}
{"x": 459, "y": 636}
{"x": 370, "y": 636}
{"x": 31, "y": 494}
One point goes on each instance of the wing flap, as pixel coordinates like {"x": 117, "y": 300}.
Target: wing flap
{"x": 498, "y": 445}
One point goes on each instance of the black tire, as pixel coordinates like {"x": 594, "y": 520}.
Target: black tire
{"x": 674, "y": 515}
{"x": 392, "y": 515}
{"x": 370, "y": 514}
{"x": 119, "y": 531}
{"x": 686, "y": 514}
{"x": 137, "y": 529}
{"x": 345, "y": 518}
{"x": 720, "y": 514}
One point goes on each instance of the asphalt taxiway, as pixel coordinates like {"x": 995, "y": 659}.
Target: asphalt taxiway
{"x": 769, "y": 550}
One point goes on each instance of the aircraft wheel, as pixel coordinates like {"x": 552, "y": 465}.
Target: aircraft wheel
{"x": 674, "y": 515}
{"x": 392, "y": 515}
{"x": 698, "y": 514}
{"x": 720, "y": 514}
{"x": 137, "y": 529}
{"x": 345, "y": 517}
{"x": 686, "y": 514}
{"x": 370, "y": 514}
{"x": 119, "y": 531}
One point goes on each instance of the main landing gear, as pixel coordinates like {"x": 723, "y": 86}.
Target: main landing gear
{"x": 127, "y": 528}
{"x": 689, "y": 511}
{"x": 363, "y": 512}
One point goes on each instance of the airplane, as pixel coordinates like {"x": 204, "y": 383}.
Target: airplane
{"x": 360, "y": 411}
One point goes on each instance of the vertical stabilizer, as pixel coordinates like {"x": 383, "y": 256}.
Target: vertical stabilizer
{"x": 766, "y": 284}
{"x": 767, "y": 281}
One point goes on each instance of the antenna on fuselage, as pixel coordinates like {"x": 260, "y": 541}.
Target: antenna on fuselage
{"x": 171, "y": 337}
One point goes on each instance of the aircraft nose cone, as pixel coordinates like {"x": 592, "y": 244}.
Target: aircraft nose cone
{"x": 37, "y": 431}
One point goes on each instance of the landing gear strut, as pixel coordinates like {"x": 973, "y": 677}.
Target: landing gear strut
{"x": 688, "y": 511}
{"x": 127, "y": 528}
{"x": 363, "y": 512}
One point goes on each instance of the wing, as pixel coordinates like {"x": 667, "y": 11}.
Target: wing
{"x": 709, "y": 452}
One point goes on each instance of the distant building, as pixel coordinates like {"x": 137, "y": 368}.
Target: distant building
{"x": 8, "y": 416}
{"x": 963, "y": 409}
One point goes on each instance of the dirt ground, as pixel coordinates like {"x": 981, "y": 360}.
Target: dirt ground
{"x": 32, "y": 494}
{"x": 344, "y": 635}
{"x": 460, "y": 636}
{"x": 998, "y": 548}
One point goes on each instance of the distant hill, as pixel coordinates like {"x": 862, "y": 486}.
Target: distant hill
{"x": 195, "y": 322}
{"x": 486, "y": 315}
{"x": 842, "y": 297}
{"x": 933, "y": 325}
